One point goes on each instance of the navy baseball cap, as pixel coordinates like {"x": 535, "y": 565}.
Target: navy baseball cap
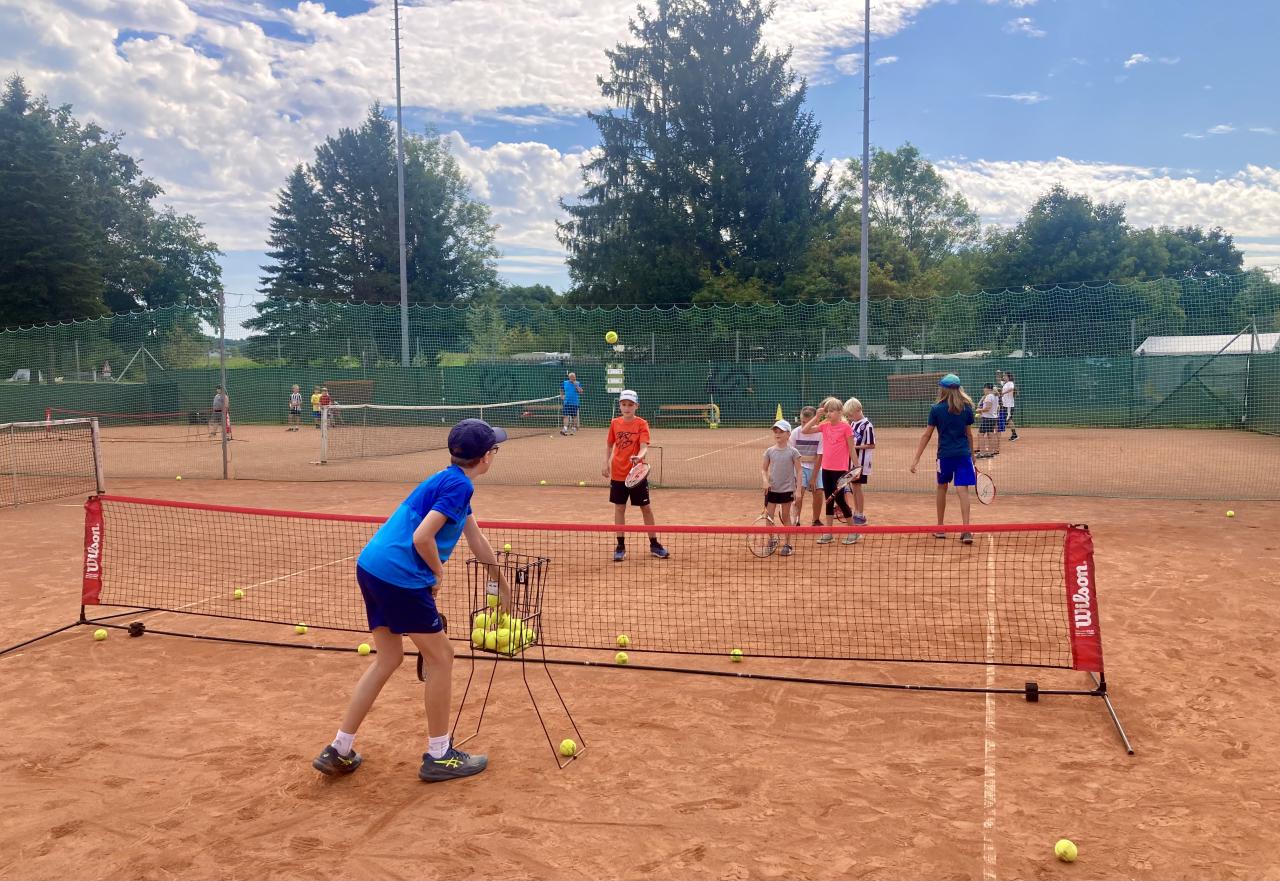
{"x": 950, "y": 381}
{"x": 472, "y": 438}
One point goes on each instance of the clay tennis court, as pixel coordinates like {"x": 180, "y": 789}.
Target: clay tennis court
{"x": 164, "y": 757}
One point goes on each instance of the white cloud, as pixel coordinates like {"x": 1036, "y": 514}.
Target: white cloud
{"x": 1222, "y": 129}
{"x": 1262, "y": 130}
{"x": 1022, "y": 97}
{"x": 1169, "y": 59}
{"x": 1135, "y": 59}
{"x": 1024, "y": 26}
{"x": 1017, "y": 4}
{"x": 1195, "y": 136}
{"x": 849, "y": 64}
{"x": 887, "y": 59}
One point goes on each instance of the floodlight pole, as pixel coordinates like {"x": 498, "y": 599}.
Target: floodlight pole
{"x": 404, "y": 269}
{"x": 222, "y": 379}
{"x": 865, "y": 246}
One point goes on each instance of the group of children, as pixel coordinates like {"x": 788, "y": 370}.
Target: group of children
{"x": 995, "y": 414}
{"x": 320, "y": 398}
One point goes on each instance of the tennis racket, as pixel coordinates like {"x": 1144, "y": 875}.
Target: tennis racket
{"x": 762, "y": 544}
{"x": 985, "y": 488}
{"x": 639, "y": 471}
{"x": 842, "y": 485}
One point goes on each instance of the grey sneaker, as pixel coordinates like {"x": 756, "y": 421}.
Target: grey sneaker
{"x": 851, "y": 539}
{"x": 939, "y": 535}
{"x": 787, "y": 550}
{"x": 659, "y": 551}
{"x": 966, "y": 538}
{"x": 826, "y": 539}
{"x": 451, "y": 766}
{"x": 332, "y": 763}
{"x": 619, "y": 555}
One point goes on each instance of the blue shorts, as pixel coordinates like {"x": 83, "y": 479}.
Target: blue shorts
{"x": 807, "y": 474}
{"x": 957, "y": 469}
{"x": 571, "y": 409}
{"x": 1000, "y": 420}
{"x": 399, "y": 609}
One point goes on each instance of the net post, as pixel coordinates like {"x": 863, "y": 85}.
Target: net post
{"x": 95, "y": 440}
{"x": 324, "y": 435}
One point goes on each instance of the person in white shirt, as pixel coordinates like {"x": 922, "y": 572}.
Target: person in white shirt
{"x": 1008, "y": 399}
{"x": 810, "y": 448}
{"x": 988, "y": 420}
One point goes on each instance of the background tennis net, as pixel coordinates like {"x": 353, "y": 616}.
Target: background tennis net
{"x": 49, "y": 460}
{"x": 1020, "y": 595}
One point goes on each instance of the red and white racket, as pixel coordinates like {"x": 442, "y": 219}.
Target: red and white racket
{"x": 639, "y": 471}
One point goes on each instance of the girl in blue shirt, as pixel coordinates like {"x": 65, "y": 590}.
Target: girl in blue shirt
{"x": 952, "y": 416}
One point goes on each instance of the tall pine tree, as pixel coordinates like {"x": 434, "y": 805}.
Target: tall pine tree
{"x": 706, "y": 166}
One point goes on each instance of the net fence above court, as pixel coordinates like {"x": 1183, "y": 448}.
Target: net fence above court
{"x": 52, "y": 459}
{"x": 367, "y": 431}
{"x": 1019, "y": 595}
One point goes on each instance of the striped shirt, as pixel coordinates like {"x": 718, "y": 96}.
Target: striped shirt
{"x": 808, "y": 445}
{"x": 864, "y": 433}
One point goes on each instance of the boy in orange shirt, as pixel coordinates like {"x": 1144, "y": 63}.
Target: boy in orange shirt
{"x": 628, "y": 444}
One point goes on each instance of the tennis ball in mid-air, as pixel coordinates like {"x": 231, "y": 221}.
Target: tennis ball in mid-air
{"x": 623, "y": 640}
{"x": 568, "y": 747}
{"x": 507, "y": 546}
{"x": 736, "y": 656}
{"x": 237, "y": 594}
{"x": 363, "y": 648}
{"x": 1231, "y": 513}
{"x": 611, "y": 337}
{"x": 299, "y": 629}
{"x": 100, "y": 634}
{"x": 620, "y": 658}
{"x": 477, "y": 637}
{"x": 1066, "y": 850}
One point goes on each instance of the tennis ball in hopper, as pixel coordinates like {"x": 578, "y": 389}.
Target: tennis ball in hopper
{"x": 503, "y": 637}
{"x": 611, "y": 337}
{"x": 736, "y": 656}
{"x": 1066, "y": 850}
{"x": 623, "y": 640}
{"x": 100, "y": 634}
{"x": 492, "y": 600}
{"x": 620, "y": 658}
{"x": 477, "y": 637}
{"x": 363, "y": 648}
{"x": 299, "y": 629}
{"x": 568, "y": 747}
{"x": 237, "y": 594}
{"x": 491, "y": 640}
{"x": 530, "y": 636}
{"x": 1231, "y": 513}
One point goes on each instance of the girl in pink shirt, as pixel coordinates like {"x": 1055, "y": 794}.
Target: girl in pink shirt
{"x": 836, "y": 434}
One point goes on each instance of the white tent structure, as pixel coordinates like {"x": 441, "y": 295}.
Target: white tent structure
{"x": 1211, "y": 344}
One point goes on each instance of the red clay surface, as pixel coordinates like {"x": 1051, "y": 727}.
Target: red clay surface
{"x": 175, "y": 758}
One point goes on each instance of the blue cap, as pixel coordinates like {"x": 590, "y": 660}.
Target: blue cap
{"x": 472, "y": 438}
{"x": 950, "y": 381}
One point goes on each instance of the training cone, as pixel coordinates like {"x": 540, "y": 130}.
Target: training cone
{"x": 778, "y": 415}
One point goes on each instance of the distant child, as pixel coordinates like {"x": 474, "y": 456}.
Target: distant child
{"x": 810, "y": 446}
{"x": 571, "y": 394}
{"x": 952, "y": 416}
{"x": 864, "y": 441}
{"x": 836, "y": 435}
{"x": 400, "y": 571}
{"x": 628, "y": 443}
{"x": 1009, "y": 400}
{"x": 1000, "y": 414}
{"x": 295, "y": 409}
{"x": 780, "y": 476}
{"x": 988, "y": 419}
{"x": 315, "y": 404}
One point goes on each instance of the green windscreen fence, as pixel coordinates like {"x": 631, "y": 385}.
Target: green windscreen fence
{"x": 1167, "y": 388}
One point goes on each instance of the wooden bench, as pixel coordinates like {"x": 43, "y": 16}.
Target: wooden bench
{"x": 708, "y": 413}
{"x": 542, "y": 411}
{"x": 914, "y": 386}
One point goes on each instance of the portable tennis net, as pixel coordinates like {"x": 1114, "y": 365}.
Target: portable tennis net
{"x": 1019, "y": 596}
{"x": 52, "y": 459}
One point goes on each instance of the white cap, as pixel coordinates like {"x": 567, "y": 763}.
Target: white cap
{"x": 783, "y": 424}
{"x": 629, "y": 395}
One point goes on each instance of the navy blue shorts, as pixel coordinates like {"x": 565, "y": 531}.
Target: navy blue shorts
{"x": 570, "y": 409}
{"x": 957, "y": 469}
{"x": 399, "y": 609}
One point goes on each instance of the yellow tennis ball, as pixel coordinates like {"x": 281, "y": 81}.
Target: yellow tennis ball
{"x": 178, "y": 477}
{"x": 542, "y": 483}
{"x": 1231, "y": 513}
{"x": 100, "y": 634}
{"x": 623, "y": 640}
{"x": 582, "y": 483}
{"x": 1066, "y": 850}
{"x": 237, "y": 594}
{"x": 611, "y": 337}
{"x": 363, "y": 648}
{"x": 568, "y": 747}
{"x": 491, "y": 640}
{"x": 477, "y": 637}
{"x": 620, "y": 658}
{"x": 492, "y": 600}
{"x": 503, "y": 637}
{"x": 299, "y": 629}
{"x": 504, "y": 620}
{"x": 736, "y": 656}
{"x": 530, "y": 636}
{"x": 507, "y": 546}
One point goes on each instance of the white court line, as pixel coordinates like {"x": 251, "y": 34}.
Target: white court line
{"x": 250, "y": 587}
{"x": 989, "y": 731}
{"x": 754, "y": 440}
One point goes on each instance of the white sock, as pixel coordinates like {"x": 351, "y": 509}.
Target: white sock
{"x": 342, "y": 742}
{"x": 437, "y": 746}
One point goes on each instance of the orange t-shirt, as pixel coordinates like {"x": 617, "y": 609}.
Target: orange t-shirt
{"x": 626, "y": 438}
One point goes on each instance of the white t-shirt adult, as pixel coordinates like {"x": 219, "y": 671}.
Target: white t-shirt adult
{"x": 1006, "y": 395}
{"x": 990, "y": 406}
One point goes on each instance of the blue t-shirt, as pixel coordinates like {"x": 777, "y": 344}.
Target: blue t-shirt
{"x": 570, "y": 392}
{"x": 952, "y": 440}
{"x": 390, "y": 554}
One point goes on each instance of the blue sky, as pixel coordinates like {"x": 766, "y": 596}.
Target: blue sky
{"x": 1168, "y": 106}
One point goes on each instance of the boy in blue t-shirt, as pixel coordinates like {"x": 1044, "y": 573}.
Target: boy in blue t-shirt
{"x": 399, "y": 572}
{"x": 571, "y": 394}
{"x": 952, "y": 416}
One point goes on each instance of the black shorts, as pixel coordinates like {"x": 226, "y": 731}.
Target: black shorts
{"x": 986, "y": 425}
{"x": 773, "y": 498}
{"x": 620, "y": 493}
